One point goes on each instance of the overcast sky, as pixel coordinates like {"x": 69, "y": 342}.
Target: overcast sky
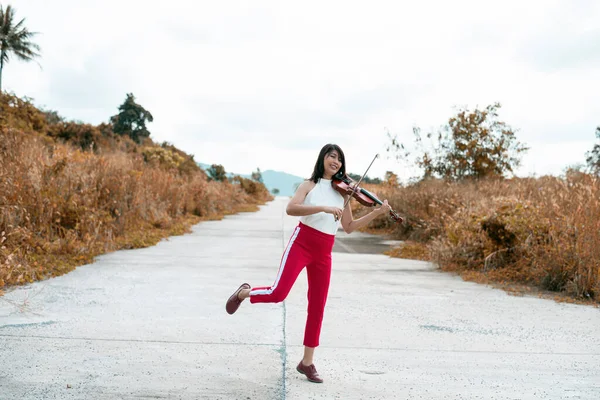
{"x": 265, "y": 84}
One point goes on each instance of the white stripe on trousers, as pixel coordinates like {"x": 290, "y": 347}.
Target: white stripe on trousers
{"x": 281, "y": 267}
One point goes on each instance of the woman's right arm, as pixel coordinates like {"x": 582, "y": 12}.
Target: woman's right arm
{"x": 296, "y": 207}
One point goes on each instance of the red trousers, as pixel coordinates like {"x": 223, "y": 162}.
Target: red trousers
{"x": 308, "y": 248}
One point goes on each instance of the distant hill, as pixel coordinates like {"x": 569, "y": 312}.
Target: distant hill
{"x": 286, "y": 183}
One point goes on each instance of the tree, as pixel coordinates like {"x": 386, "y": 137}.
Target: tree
{"x": 593, "y": 156}
{"x": 275, "y": 191}
{"x": 391, "y": 179}
{"x": 52, "y": 117}
{"x": 131, "y": 120}
{"x": 216, "y": 172}
{"x": 473, "y": 145}
{"x": 366, "y": 179}
{"x": 257, "y": 176}
{"x": 15, "y": 39}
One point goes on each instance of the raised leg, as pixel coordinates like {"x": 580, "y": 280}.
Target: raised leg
{"x": 294, "y": 259}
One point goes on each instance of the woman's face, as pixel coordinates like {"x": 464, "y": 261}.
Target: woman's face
{"x": 332, "y": 163}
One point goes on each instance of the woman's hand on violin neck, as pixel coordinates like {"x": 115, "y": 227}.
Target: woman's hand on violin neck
{"x": 384, "y": 208}
{"x": 336, "y": 212}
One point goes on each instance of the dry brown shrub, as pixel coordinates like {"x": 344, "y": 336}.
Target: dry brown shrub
{"x": 492, "y": 234}
{"x": 539, "y": 231}
{"x": 21, "y": 114}
{"x": 60, "y": 206}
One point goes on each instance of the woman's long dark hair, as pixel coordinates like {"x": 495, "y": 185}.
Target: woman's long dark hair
{"x": 320, "y": 166}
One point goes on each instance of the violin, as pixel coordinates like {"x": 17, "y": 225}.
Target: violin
{"x": 346, "y": 187}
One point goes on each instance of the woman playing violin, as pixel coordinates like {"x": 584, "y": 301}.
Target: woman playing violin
{"x": 320, "y": 208}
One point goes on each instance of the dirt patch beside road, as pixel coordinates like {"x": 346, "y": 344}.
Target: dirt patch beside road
{"x": 363, "y": 243}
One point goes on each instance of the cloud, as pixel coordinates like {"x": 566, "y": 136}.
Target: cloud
{"x": 266, "y": 84}
{"x": 567, "y": 39}
{"x": 564, "y": 50}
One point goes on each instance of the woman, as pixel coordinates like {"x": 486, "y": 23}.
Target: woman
{"x": 319, "y": 207}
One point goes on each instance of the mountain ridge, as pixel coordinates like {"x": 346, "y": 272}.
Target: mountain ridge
{"x": 284, "y": 182}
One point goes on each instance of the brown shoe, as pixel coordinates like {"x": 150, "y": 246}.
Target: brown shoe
{"x": 310, "y": 372}
{"x": 233, "y": 303}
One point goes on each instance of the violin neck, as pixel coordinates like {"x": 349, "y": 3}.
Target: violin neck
{"x": 371, "y": 196}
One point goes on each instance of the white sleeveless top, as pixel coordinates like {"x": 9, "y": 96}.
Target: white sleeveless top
{"x": 323, "y": 194}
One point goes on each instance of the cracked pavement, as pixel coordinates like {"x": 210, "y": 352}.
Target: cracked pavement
{"x": 151, "y": 324}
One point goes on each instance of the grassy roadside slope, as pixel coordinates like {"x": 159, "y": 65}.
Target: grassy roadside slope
{"x": 524, "y": 234}
{"x": 70, "y": 191}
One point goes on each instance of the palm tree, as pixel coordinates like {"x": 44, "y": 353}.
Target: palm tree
{"x": 15, "y": 39}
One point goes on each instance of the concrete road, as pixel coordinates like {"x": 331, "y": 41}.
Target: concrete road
{"x": 151, "y": 324}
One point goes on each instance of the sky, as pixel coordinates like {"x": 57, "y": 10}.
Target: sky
{"x": 265, "y": 84}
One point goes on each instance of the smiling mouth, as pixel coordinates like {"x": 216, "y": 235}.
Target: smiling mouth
{"x": 333, "y": 167}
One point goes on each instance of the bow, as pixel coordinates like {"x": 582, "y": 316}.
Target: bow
{"x": 356, "y": 185}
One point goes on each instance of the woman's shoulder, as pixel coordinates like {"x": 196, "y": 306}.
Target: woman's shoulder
{"x": 307, "y": 183}
{"x": 306, "y": 186}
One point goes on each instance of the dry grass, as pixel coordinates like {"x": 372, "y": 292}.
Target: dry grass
{"x": 410, "y": 250}
{"x": 60, "y": 206}
{"x": 542, "y": 234}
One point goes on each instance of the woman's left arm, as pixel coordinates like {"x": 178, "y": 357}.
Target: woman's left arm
{"x": 350, "y": 224}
